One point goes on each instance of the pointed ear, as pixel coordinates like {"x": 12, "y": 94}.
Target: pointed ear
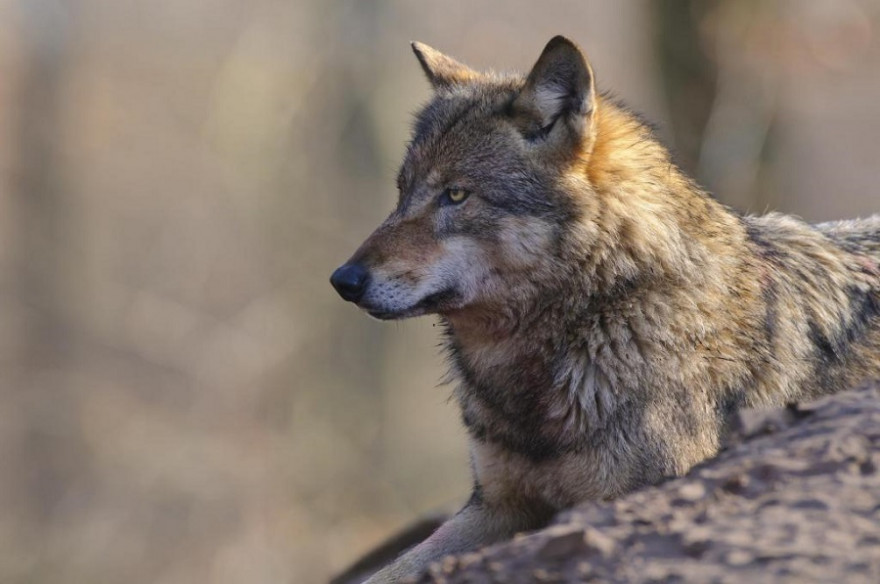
{"x": 560, "y": 88}
{"x": 443, "y": 71}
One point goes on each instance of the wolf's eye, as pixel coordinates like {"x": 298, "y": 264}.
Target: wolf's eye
{"x": 453, "y": 196}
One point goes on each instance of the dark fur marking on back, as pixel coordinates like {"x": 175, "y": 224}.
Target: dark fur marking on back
{"x": 833, "y": 351}
{"x": 767, "y": 248}
{"x": 865, "y": 306}
{"x": 771, "y": 300}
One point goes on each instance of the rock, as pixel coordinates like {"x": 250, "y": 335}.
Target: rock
{"x": 562, "y": 541}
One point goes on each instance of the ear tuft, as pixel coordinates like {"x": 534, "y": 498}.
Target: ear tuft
{"x": 560, "y": 84}
{"x": 442, "y": 71}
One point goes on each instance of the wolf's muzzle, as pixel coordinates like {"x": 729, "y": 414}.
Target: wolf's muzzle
{"x": 350, "y": 280}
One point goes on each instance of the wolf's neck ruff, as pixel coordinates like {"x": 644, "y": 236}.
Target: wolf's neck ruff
{"x": 556, "y": 360}
{"x": 533, "y": 391}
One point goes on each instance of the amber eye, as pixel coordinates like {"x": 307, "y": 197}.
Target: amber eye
{"x": 453, "y": 196}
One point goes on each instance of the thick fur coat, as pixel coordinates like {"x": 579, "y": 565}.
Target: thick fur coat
{"x": 604, "y": 315}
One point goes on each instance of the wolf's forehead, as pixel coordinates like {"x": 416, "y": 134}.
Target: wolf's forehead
{"x": 449, "y": 124}
{"x": 469, "y": 102}
{"x": 442, "y": 114}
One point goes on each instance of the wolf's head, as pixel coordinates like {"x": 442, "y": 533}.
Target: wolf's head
{"x": 484, "y": 190}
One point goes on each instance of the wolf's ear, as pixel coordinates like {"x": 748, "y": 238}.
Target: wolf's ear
{"x": 560, "y": 88}
{"x": 443, "y": 71}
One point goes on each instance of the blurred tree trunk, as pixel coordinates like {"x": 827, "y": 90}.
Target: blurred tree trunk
{"x": 49, "y": 446}
{"x": 721, "y": 104}
{"x": 687, "y": 74}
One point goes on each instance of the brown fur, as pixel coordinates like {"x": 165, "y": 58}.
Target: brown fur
{"x": 604, "y": 315}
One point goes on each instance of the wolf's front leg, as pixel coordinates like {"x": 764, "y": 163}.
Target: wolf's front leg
{"x": 476, "y": 525}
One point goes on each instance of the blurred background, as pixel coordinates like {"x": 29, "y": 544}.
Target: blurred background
{"x": 183, "y": 398}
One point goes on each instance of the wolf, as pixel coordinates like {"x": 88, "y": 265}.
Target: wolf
{"x": 604, "y": 316}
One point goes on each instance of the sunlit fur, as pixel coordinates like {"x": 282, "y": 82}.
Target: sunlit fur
{"x": 604, "y": 316}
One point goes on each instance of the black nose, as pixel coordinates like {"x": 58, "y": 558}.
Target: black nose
{"x": 350, "y": 281}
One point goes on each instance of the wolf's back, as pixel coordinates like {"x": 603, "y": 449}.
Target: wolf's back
{"x": 855, "y": 235}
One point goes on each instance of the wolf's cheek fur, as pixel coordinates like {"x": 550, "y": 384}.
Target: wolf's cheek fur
{"x": 447, "y": 278}
{"x": 524, "y": 243}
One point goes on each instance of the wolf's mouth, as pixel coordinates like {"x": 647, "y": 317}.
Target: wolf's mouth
{"x": 385, "y": 315}
{"x": 439, "y": 299}
{"x": 430, "y": 303}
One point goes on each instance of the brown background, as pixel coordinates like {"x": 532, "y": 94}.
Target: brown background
{"x": 182, "y": 396}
